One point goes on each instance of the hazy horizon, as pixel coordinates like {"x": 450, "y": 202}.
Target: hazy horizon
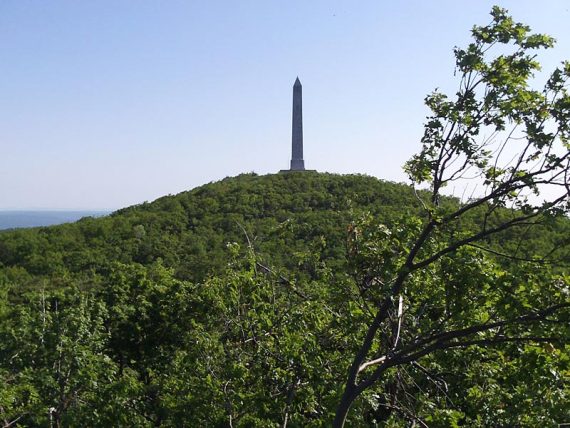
{"x": 16, "y": 219}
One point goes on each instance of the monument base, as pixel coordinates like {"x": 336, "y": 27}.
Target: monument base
{"x": 288, "y": 171}
{"x": 297, "y": 164}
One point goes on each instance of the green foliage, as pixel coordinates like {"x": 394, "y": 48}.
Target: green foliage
{"x": 245, "y": 302}
{"x": 282, "y": 213}
{"x": 453, "y": 278}
{"x": 259, "y": 344}
{"x": 56, "y": 368}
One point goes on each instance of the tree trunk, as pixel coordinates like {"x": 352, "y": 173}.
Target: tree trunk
{"x": 344, "y": 406}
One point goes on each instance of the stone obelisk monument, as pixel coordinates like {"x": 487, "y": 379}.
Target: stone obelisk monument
{"x": 297, "y": 162}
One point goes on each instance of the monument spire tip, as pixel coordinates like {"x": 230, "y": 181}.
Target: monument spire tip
{"x": 297, "y": 81}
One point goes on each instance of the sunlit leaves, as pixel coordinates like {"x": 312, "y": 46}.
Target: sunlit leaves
{"x": 494, "y": 73}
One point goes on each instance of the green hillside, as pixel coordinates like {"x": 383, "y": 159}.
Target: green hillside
{"x": 241, "y": 301}
{"x": 316, "y": 300}
{"x": 281, "y": 214}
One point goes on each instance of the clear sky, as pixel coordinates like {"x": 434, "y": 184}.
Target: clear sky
{"x": 110, "y": 103}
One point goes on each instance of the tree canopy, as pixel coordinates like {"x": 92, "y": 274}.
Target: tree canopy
{"x": 301, "y": 299}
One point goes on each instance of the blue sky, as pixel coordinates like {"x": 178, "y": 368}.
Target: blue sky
{"x": 106, "y": 104}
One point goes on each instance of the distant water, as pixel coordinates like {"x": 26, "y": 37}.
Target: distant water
{"x": 17, "y": 219}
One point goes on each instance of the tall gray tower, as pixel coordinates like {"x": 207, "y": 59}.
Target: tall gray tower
{"x": 297, "y": 162}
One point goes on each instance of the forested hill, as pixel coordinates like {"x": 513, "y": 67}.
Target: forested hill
{"x": 242, "y": 302}
{"x": 280, "y": 214}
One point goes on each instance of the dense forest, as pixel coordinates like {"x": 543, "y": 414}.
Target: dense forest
{"x": 238, "y": 303}
{"x": 282, "y": 215}
{"x": 306, "y": 299}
